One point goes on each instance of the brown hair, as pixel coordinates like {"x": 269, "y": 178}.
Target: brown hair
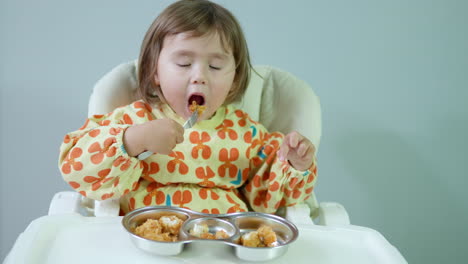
{"x": 198, "y": 17}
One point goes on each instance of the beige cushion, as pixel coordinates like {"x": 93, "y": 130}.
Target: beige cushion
{"x": 278, "y": 100}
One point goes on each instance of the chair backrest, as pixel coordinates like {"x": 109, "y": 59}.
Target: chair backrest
{"x": 277, "y": 99}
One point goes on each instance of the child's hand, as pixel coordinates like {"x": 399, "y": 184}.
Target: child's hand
{"x": 158, "y": 136}
{"x": 298, "y": 150}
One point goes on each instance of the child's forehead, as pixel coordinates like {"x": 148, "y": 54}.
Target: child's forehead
{"x": 211, "y": 40}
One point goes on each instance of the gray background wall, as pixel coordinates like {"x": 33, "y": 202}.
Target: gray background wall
{"x": 391, "y": 75}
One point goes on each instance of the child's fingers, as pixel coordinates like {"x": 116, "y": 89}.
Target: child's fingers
{"x": 283, "y": 151}
{"x": 290, "y": 142}
{"x": 180, "y": 138}
{"x": 293, "y": 139}
{"x": 294, "y": 147}
{"x": 177, "y": 127}
{"x": 179, "y": 132}
{"x": 180, "y": 135}
{"x": 303, "y": 148}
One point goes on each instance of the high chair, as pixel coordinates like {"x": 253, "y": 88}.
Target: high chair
{"x": 278, "y": 100}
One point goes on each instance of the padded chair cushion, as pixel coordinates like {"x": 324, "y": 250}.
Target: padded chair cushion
{"x": 277, "y": 99}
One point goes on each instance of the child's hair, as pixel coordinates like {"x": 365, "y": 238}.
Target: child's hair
{"x": 198, "y": 17}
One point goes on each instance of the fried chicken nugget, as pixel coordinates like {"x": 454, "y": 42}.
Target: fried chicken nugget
{"x": 207, "y": 236}
{"x": 171, "y": 224}
{"x": 221, "y": 234}
{"x": 202, "y": 231}
{"x": 165, "y": 229}
{"x": 165, "y": 237}
{"x": 148, "y": 228}
{"x": 199, "y": 230}
{"x": 267, "y": 235}
{"x": 251, "y": 239}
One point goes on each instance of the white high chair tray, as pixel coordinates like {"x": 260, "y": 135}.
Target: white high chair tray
{"x": 74, "y": 239}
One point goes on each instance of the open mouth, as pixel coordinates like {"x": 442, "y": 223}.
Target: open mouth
{"x": 199, "y": 99}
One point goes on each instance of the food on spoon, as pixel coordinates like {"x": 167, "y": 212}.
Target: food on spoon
{"x": 194, "y": 106}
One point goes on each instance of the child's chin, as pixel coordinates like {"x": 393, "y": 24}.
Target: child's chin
{"x": 201, "y": 118}
{"x": 205, "y": 116}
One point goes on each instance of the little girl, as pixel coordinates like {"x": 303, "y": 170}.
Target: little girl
{"x": 194, "y": 51}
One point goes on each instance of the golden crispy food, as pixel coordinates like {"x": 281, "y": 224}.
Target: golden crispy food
{"x": 263, "y": 237}
{"x": 194, "y": 106}
{"x": 207, "y": 236}
{"x": 221, "y": 234}
{"x": 202, "y": 231}
{"x": 198, "y": 230}
{"x": 165, "y": 229}
{"x": 251, "y": 239}
{"x": 267, "y": 235}
{"x": 171, "y": 224}
{"x": 149, "y": 229}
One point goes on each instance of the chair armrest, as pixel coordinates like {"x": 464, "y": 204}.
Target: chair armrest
{"x": 69, "y": 202}
{"x": 65, "y": 203}
{"x": 332, "y": 214}
{"x": 110, "y": 207}
{"x": 299, "y": 214}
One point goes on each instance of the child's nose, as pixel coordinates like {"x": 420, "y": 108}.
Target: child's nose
{"x": 199, "y": 76}
{"x": 197, "y": 81}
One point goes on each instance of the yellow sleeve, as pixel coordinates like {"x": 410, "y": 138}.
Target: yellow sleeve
{"x": 93, "y": 159}
{"x": 274, "y": 183}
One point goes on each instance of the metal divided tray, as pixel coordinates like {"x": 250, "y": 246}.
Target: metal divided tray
{"x": 234, "y": 225}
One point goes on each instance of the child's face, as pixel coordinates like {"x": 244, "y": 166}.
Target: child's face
{"x": 195, "y": 68}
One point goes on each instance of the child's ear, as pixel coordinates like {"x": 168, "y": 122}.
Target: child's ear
{"x": 156, "y": 79}
{"x": 234, "y": 85}
{"x": 157, "y": 91}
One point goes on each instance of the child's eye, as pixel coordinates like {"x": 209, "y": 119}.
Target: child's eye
{"x": 183, "y": 65}
{"x": 215, "y": 68}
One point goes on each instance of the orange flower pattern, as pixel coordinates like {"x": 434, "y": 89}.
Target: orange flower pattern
{"x": 178, "y": 161}
{"x": 205, "y": 176}
{"x": 200, "y": 139}
{"x": 228, "y": 158}
{"x": 227, "y": 165}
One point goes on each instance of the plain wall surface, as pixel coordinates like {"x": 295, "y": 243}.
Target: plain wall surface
{"x": 391, "y": 76}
